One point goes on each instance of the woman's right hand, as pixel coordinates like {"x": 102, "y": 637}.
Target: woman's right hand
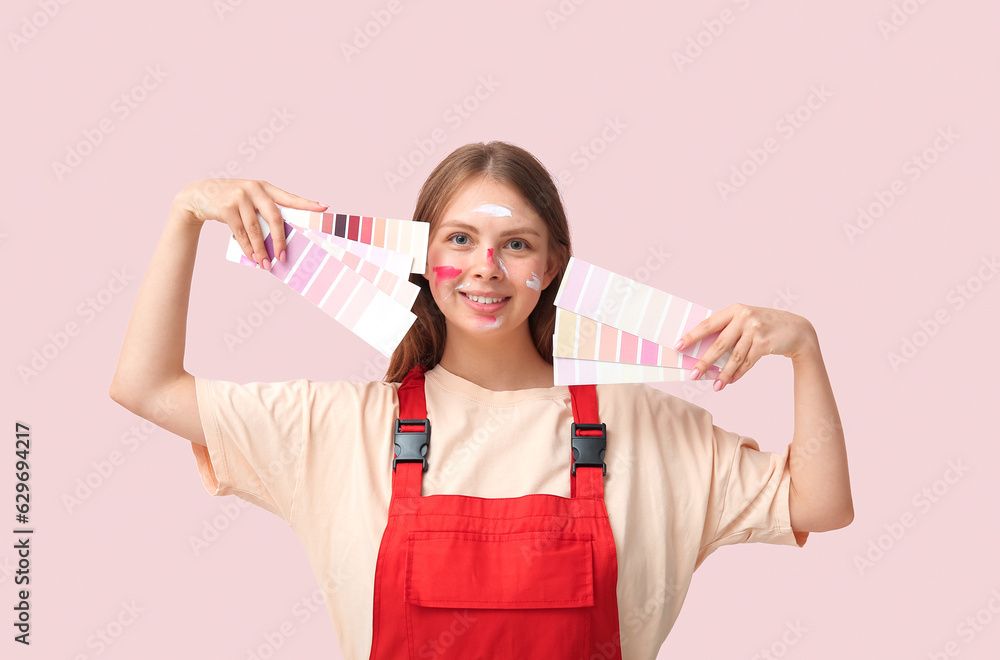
{"x": 235, "y": 202}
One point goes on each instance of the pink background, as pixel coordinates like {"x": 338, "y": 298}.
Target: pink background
{"x": 778, "y": 240}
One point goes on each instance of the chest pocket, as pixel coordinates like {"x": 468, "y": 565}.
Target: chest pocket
{"x": 514, "y": 595}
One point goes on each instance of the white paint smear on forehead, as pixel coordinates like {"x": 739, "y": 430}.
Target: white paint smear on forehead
{"x": 496, "y": 210}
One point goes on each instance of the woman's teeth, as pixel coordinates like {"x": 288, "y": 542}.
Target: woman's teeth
{"x": 484, "y": 300}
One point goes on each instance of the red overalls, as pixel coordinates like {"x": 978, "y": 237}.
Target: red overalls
{"x": 473, "y": 577}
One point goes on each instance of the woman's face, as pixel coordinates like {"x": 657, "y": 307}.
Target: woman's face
{"x": 488, "y": 259}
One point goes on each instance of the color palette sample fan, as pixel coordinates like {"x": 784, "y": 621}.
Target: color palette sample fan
{"x": 612, "y": 329}
{"x": 354, "y": 268}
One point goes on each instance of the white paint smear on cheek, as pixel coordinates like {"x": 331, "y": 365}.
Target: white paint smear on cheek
{"x": 454, "y": 289}
{"x": 495, "y": 210}
{"x": 534, "y": 282}
{"x": 502, "y": 267}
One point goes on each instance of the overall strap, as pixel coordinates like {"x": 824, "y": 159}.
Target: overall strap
{"x": 412, "y": 434}
{"x": 589, "y": 443}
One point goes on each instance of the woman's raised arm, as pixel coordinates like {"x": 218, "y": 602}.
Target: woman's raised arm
{"x": 820, "y": 489}
{"x": 150, "y": 379}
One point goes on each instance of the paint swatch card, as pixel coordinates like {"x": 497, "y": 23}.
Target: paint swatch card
{"x": 632, "y": 307}
{"x": 370, "y": 308}
{"x": 404, "y": 236}
{"x": 399, "y": 288}
{"x": 612, "y": 329}
{"x": 581, "y": 338}
{"x": 398, "y": 263}
{"x": 570, "y": 371}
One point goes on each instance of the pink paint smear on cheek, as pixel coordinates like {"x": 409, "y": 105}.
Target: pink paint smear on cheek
{"x": 446, "y": 272}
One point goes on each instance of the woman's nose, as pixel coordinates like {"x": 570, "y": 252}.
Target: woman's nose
{"x": 487, "y": 264}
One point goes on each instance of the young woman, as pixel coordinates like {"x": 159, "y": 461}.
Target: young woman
{"x": 465, "y": 507}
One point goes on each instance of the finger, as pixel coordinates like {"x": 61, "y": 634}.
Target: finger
{"x": 720, "y": 322}
{"x": 286, "y": 198}
{"x": 735, "y": 361}
{"x": 235, "y": 222}
{"x": 754, "y": 354}
{"x": 715, "y": 322}
{"x": 272, "y": 215}
{"x": 254, "y": 232}
{"x": 723, "y": 342}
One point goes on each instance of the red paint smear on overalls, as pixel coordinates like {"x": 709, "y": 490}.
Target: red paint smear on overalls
{"x": 447, "y": 272}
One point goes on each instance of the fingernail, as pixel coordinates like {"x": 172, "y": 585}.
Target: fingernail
{"x": 693, "y": 374}
{"x": 717, "y": 386}
{"x": 267, "y": 264}
{"x": 281, "y": 257}
{"x": 680, "y": 342}
{"x": 322, "y": 204}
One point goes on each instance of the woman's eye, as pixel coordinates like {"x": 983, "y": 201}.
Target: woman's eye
{"x": 455, "y": 238}
{"x": 517, "y": 242}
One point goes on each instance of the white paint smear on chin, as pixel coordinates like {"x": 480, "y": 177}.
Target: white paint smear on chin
{"x": 495, "y": 210}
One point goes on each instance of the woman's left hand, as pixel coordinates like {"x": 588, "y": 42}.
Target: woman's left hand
{"x": 751, "y": 332}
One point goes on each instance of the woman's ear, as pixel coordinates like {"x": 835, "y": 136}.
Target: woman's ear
{"x": 551, "y": 270}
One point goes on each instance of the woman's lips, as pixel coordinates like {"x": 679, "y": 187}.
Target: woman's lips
{"x": 488, "y": 308}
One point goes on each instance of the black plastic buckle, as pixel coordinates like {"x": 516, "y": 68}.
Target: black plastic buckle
{"x": 411, "y": 446}
{"x": 588, "y": 450}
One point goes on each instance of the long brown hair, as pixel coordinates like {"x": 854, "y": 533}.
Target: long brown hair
{"x": 501, "y": 162}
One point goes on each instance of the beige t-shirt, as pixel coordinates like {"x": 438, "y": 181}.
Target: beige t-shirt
{"x": 319, "y": 454}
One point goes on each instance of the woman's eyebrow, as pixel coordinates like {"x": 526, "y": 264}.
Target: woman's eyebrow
{"x": 472, "y": 230}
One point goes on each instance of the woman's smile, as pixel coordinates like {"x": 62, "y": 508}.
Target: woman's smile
{"x": 488, "y": 304}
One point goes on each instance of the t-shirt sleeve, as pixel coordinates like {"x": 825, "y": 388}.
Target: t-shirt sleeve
{"x": 748, "y": 497}
{"x": 254, "y": 435}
